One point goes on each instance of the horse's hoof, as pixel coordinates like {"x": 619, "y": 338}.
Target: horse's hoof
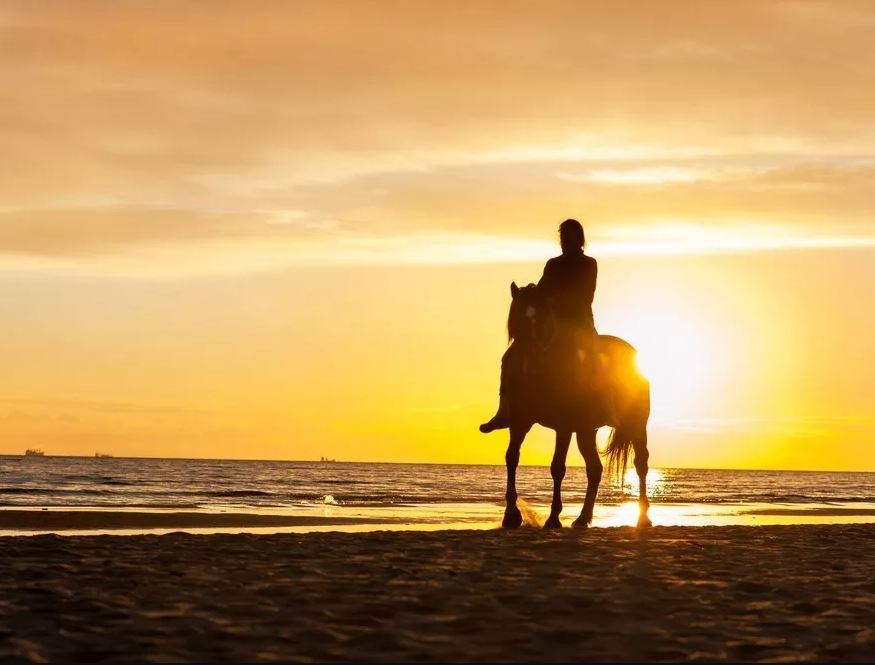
{"x": 644, "y": 522}
{"x": 580, "y": 523}
{"x": 553, "y": 522}
{"x": 513, "y": 518}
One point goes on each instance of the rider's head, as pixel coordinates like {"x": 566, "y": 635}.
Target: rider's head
{"x": 571, "y": 236}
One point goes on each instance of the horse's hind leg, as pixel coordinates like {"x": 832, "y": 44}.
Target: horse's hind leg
{"x": 557, "y": 471}
{"x": 512, "y": 516}
{"x": 586, "y": 443}
{"x": 641, "y": 458}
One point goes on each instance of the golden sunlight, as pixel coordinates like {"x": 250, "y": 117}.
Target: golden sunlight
{"x": 674, "y": 353}
{"x": 256, "y": 268}
{"x": 655, "y": 477}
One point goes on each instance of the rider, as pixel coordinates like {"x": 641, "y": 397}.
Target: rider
{"x": 568, "y": 283}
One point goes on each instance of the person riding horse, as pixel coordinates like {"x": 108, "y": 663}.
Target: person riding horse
{"x": 568, "y": 287}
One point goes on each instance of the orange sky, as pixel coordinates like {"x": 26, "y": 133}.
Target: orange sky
{"x": 287, "y": 230}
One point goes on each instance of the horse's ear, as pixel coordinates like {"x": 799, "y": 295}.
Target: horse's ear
{"x": 514, "y": 290}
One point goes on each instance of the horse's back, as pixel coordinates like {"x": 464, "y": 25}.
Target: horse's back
{"x": 617, "y": 348}
{"x": 622, "y": 364}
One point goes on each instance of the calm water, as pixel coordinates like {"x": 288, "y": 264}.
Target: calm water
{"x": 424, "y": 492}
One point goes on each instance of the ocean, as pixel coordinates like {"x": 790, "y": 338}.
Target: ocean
{"x": 425, "y": 495}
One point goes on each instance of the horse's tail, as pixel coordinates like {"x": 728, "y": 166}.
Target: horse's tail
{"x": 630, "y": 432}
{"x": 617, "y": 451}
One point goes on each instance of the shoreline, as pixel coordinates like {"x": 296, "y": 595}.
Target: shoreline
{"x": 130, "y": 520}
{"x": 665, "y": 593}
{"x": 98, "y": 520}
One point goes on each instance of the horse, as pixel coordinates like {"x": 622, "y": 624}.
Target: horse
{"x": 536, "y": 403}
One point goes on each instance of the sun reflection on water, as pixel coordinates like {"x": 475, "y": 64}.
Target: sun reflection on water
{"x": 626, "y": 514}
{"x": 655, "y": 482}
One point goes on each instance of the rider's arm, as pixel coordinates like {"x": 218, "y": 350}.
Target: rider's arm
{"x": 547, "y": 279}
{"x": 591, "y": 278}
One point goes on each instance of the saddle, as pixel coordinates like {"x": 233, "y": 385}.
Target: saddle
{"x": 564, "y": 374}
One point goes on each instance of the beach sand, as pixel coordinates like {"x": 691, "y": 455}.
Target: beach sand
{"x": 77, "y": 520}
{"x": 670, "y": 593}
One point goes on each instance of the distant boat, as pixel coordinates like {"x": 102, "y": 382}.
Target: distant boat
{"x": 102, "y": 455}
{"x": 325, "y": 459}
{"x": 34, "y": 452}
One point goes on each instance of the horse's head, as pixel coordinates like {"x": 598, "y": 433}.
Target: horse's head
{"x": 528, "y": 313}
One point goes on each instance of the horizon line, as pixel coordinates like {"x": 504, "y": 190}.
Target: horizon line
{"x": 316, "y": 461}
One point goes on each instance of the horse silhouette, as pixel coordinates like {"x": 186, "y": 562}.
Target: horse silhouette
{"x": 536, "y": 400}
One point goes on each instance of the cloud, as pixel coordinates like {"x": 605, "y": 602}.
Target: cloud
{"x": 688, "y": 237}
{"x": 99, "y": 232}
{"x": 252, "y": 255}
{"x": 654, "y": 175}
{"x": 272, "y": 133}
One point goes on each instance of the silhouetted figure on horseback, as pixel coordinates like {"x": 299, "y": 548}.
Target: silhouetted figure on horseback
{"x": 568, "y": 361}
{"x": 559, "y": 373}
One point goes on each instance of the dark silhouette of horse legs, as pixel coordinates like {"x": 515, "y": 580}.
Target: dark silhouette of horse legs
{"x": 629, "y": 436}
{"x": 632, "y": 437}
{"x": 586, "y": 443}
{"x": 627, "y": 417}
{"x": 512, "y": 515}
{"x": 557, "y": 471}
{"x": 641, "y": 457}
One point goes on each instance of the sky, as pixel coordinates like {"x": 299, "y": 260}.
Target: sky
{"x": 287, "y": 230}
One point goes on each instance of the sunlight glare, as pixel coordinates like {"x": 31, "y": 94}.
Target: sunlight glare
{"x": 630, "y": 480}
{"x": 674, "y": 354}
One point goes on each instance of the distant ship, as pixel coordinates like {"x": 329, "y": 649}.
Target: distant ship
{"x": 325, "y": 459}
{"x": 102, "y": 455}
{"x": 34, "y": 452}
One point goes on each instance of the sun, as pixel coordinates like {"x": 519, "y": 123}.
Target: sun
{"x": 674, "y": 352}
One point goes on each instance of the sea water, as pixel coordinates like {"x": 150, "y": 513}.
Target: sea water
{"x": 427, "y": 495}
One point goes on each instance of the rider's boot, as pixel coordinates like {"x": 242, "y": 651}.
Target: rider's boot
{"x": 500, "y": 419}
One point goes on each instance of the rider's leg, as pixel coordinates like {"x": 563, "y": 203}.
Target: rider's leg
{"x": 500, "y": 419}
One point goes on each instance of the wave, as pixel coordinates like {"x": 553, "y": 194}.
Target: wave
{"x": 105, "y": 504}
{"x": 59, "y": 491}
{"x": 205, "y": 483}
{"x": 814, "y": 498}
{"x": 280, "y": 498}
{"x": 99, "y": 479}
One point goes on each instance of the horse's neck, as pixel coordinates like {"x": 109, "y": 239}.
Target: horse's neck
{"x": 524, "y": 343}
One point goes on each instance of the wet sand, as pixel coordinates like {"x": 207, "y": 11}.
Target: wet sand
{"x": 151, "y": 520}
{"x": 76, "y": 520}
{"x": 830, "y": 511}
{"x": 772, "y": 593}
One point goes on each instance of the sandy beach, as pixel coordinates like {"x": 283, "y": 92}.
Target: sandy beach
{"x": 77, "y": 520}
{"x": 772, "y": 593}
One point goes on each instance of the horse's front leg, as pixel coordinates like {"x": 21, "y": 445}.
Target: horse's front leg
{"x": 512, "y": 515}
{"x": 586, "y": 443}
{"x": 557, "y": 471}
{"x": 641, "y": 458}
